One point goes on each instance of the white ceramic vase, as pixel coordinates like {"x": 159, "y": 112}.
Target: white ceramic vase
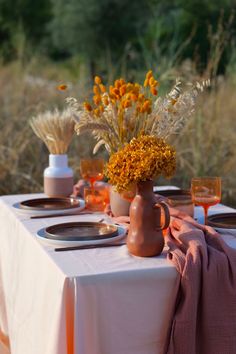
{"x": 58, "y": 177}
{"x": 119, "y": 205}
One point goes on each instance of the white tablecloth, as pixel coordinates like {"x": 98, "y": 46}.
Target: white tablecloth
{"x": 97, "y": 301}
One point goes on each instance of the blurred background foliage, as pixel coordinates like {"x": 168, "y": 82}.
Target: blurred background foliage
{"x": 48, "y": 42}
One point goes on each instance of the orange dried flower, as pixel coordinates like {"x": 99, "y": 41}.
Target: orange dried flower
{"x": 62, "y": 87}
{"x": 153, "y": 90}
{"x": 97, "y": 112}
{"x": 96, "y": 90}
{"x": 102, "y": 88}
{"x": 122, "y": 90}
{"x": 97, "y": 99}
{"x": 116, "y": 92}
{"x": 146, "y": 105}
{"x": 144, "y": 158}
{"x": 105, "y": 101}
{"x": 88, "y": 106}
{"x": 118, "y": 84}
{"x": 146, "y": 82}
{"x": 149, "y": 74}
{"x": 134, "y": 97}
{"x": 127, "y": 103}
{"x": 97, "y": 80}
{"x": 151, "y": 81}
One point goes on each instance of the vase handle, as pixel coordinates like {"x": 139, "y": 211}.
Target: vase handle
{"x": 165, "y": 208}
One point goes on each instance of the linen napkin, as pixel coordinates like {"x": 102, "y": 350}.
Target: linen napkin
{"x": 204, "y": 321}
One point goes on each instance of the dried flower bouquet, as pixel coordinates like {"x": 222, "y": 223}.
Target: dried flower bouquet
{"x": 126, "y": 110}
{"x": 144, "y": 158}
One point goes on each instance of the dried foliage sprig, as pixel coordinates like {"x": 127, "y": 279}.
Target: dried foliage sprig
{"x": 144, "y": 158}
{"x": 55, "y": 129}
{"x": 126, "y": 110}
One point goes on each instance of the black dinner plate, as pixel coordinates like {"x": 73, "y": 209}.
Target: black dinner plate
{"x": 223, "y": 220}
{"x": 50, "y": 204}
{"x": 81, "y": 231}
{"x": 174, "y": 192}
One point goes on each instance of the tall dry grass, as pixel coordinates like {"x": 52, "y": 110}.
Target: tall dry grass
{"x": 206, "y": 146}
{"x": 23, "y": 156}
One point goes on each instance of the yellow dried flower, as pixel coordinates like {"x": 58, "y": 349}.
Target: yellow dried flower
{"x": 102, "y": 88}
{"x": 136, "y": 88}
{"x": 87, "y": 106}
{"x": 151, "y": 81}
{"x": 101, "y": 108}
{"x": 155, "y": 83}
{"x": 97, "y": 99}
{"x": 146, "y": 105}
{"x": 97, "y": 80}
{"x": 134, "y": 97}
{"x": 146, "y": 82}
{"x": 96, "y": 90}
{"x": 122, "y": 90}
{"x": 141, "y": 97}
{"x": 118, "y": 84}
{"x": 149, "y": 74}
{"x": 105, "y": 101}
{"x": 62, "y": 87}
{"x": 116, "y": 92}
{"x": 97, "y": 112}
{"x": 153, "y": 90}
{"x": 144, "y": 158}
{"x": 127, "y": 103}
{"x": 129, "y": 87}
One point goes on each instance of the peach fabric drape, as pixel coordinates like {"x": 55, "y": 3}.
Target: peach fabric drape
{"x": 205, "y": 315}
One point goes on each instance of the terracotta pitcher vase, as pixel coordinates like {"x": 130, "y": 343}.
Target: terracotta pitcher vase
{"x": 145, "y": 237}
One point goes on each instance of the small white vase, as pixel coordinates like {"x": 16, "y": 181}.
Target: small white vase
{"x": 119, "y": 205}
{"x": 58, "y": 177}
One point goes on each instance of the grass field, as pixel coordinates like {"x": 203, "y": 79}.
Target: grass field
{"x": 207, "y": 146}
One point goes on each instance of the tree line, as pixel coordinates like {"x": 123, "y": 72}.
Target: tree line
{"x": 94, "y": 30}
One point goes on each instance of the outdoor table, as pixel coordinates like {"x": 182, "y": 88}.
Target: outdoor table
{"x": 94, "y": 301}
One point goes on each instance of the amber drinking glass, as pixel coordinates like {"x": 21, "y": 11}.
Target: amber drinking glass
{"x": 92, "y": 170}
{"x": 206, "y": 192}
{"x": 96, "y": 198}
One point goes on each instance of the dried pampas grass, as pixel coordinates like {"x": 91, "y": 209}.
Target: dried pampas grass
{"x": 55, "y": 129}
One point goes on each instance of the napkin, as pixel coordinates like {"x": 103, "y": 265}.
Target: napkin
{"x": 204, "y": 320}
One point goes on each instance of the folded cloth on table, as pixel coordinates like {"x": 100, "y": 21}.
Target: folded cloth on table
{"x": 204, "y": 321}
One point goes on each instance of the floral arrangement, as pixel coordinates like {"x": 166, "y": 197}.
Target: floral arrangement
{"x": 55, "y": 129}
{"x": 126, "y": 110}
{"x": 144, "y": 158}
{"x": 134, "y": 123}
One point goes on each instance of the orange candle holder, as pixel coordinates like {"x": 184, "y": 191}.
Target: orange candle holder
{"x": 96, "y": 198}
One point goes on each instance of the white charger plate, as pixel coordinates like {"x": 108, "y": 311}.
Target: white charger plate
{"x": 21, "y": 210}
{"x": 42, "y": 236}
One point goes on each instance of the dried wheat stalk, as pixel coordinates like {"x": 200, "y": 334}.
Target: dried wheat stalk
{"x": 55, "y": 129}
